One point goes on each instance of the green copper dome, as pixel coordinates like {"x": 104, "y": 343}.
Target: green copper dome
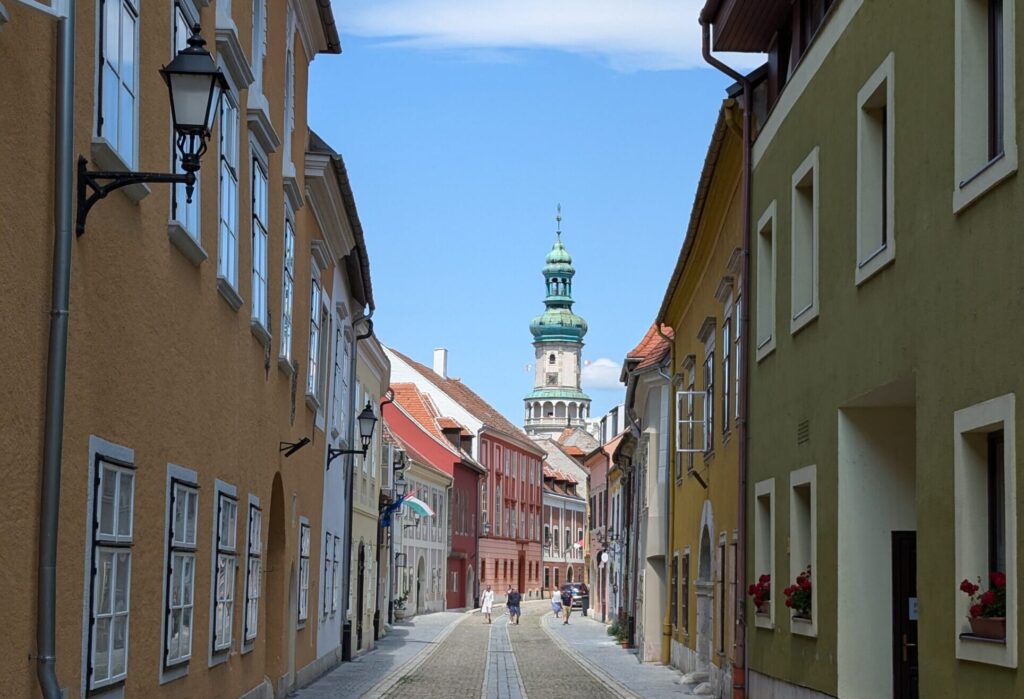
{"x": 558, "y": 323}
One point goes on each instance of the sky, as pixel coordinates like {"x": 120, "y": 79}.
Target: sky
{"x": 464, "y": 123}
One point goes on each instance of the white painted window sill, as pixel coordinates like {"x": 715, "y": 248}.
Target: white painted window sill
{"x": 765, "y": 349}
{"x": 881, "y": 259}
{"x": 763, "y": 621}
{"x": 805, "y": 318}
{"x": 312, "y": 402}
{"x": 286, "y": 365}
{"x": 970, "y": 189}
{"x": 228, "y": 293}
{"x": 259, "y": 331}
{"x": 105, "y": 157}
{"x": 186, "y": 244}
{"x": 803, "y": 627}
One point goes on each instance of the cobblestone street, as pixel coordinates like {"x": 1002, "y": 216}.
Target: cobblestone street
{"x": 458, "y": 655}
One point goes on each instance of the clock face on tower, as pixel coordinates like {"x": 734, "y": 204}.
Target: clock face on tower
{"x": 552, "y": 379}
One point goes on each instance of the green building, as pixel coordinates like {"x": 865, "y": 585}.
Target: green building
{"x": 886, "y": 328}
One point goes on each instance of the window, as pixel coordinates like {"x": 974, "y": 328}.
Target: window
{"x": 227, "y": 245}
{"x": 804, "y": 243}
{"x": 287, "y": 290}
{"x": 738, "y": 314}
{"x": 184, "y": 213}
{"x": 335, "y": 560}
{"x": 552, "y": 379}
{"x": 726, "y": 365}
{"x": 803, "y": 541}
{"x": 313, "y": 377}
{"x": 253, "y": 572}
{"x": 985, "y": 517}
{"x": 686, "y": 594}
{"x": 720, "y": 594}
{"x": 112, "y": 541}
{"x": 551, "y": 359}
{"x": 328, "y": 584}
{"x": 875, "y": 184}
{"x": 340, "y": 390}
{"x": 259, "y": 42}
{"x": 674, "y": 587}
{"x": 259, "y": 244}
{"x": 224, "y": 574}
{"x": 764, "y": 545}
{"x": 181, "y": 573}
{"x": 709, "y": 400}
{"x": 985, "y": 110}
{"x": 765, "y": 304}
{"x": 556, "y": 548}
{"x": 118, "y": 77}
{"x": 303, "y": 571}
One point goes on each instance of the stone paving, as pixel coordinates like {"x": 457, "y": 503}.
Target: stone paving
{"x": 502, "y": 680}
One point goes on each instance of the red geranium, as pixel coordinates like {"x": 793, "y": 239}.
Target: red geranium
{"x": 798, "y": 596}
{"x": 992, "y": 602}
{"x": 761, "y": 591}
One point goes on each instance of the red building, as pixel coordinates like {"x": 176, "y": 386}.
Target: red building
{"x": 446, "y": 445}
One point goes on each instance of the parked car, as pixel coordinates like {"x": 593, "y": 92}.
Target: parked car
{"x": 580, "y": 595}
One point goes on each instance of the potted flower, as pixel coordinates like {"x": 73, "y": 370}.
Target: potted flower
{"x": 761, "y": 592}
{"x": 798, "y": 595}
{"x": 623, "y": 636}
{"x": 987, "y": 611}
{"x": 400, "y": 606}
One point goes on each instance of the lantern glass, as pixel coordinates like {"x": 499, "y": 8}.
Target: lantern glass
{"x": 194, "y": 101}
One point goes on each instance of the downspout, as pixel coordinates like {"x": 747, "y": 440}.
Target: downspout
{"x": 666, "y": 623}
{"x": 350, "y": 474}
{"x": 739, "y": 686}
{"x": 56, "y": 363}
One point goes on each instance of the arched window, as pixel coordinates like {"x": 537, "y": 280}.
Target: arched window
{"x": 551, "y": 359}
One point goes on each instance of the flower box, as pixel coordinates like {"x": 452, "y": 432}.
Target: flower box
{"x": 993, "y": 627}
{"x": 764, "y": 609}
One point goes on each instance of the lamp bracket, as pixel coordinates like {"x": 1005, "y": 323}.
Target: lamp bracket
{"x": 115, "y": 180}
{"x": 333, "y": 454}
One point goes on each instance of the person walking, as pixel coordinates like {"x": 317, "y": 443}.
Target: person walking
{"x": 514, "y": 598}
{"x": 556, "y": 603}
{"x": 567, "y": 602}
{"x": 487, "y": 603}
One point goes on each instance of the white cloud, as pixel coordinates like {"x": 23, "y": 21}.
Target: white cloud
{"x": 634, "y": 35}
{"x": 602, "y": 375}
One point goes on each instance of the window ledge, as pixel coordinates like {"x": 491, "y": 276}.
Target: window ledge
{"x": 258, "y": 117}
{"x": 286, "y": 365}
{"x": 105, "y": 157}
{"x": 229, "y": 50}
{"x": 259, "y": 332}
{"x": 805, "y": 318}
{"x": 765, "y": 349}
{"x": 228, "y": 293}
{"x": 763, "y": 621}
{"x": 292, "y": 191}
{"x": 803, "y": 627}
{"x": 312, "y": 402}
{"x": 186, "y": 244}
{"x": 982, "y": 639}
{"x": 882, "y": 258}
{"x": 972, "y": 188}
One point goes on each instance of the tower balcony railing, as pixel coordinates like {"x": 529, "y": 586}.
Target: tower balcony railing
{"x": 555, "y": 421}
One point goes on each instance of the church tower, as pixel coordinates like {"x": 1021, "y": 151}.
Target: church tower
{"x": 556, "y": 401}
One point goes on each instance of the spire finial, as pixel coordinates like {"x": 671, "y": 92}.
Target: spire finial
{"x": 558, "y": 221}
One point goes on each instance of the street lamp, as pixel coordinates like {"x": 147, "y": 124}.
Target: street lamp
{"x": 367, "y": 421}
{"x": 194, "y": 85}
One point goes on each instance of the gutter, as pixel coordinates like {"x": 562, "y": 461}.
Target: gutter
{"x": 739, "y": 685}
{"x": 330, "y": 26}
{"x": 57, "y": 359}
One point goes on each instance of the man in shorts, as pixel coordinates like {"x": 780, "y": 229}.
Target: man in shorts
{"x": 514, "y": 598}
{"x": 567, "y": 602}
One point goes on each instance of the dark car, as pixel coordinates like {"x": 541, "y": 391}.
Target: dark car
{"x": 580, "y": 595}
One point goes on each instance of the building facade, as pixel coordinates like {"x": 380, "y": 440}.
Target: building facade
{"x": 564, "y": 521}
{"x": 186, "y": 537}
{"x": 510, "y": 497}
{"x": 557, "y": 401}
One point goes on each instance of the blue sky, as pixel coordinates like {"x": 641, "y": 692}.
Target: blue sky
{"x": 463, "y": 124}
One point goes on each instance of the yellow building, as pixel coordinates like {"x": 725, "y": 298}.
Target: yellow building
{"x": 189, "y": 446}
{"x": 700, "y": 306}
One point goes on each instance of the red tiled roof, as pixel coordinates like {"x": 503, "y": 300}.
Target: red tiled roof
{"x": 653, "y": 348}
{"x": 481, "y": 409}
{"x": 419, "y": 408}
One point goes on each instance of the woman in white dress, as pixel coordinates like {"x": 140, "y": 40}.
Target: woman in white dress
{"x": 486, "y": 602}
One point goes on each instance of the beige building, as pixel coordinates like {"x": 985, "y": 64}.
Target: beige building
{"x": 198, "y": 344}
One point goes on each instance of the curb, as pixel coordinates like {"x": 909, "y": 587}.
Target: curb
{"x": 597, "y": 673}
{"x": 412, "y": 664}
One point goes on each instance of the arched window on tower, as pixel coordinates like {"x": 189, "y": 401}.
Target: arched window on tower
{"x": 551, "y": 359}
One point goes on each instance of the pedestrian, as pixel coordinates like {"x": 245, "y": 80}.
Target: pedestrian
{"x": 567, "y": 602}
{"x": 514, "y": 599}
{"x": 556, "y": 603}
{"x": 486, "y": 603}
{"x": 507, "y": 593}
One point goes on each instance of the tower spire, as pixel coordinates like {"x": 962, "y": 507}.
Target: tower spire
{"x": 558, "y": 222}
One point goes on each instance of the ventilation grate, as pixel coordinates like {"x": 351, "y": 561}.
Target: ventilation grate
{"x": 803, "y": 432}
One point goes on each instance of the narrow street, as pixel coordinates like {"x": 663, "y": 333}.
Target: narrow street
{"x": 450, "y": 655}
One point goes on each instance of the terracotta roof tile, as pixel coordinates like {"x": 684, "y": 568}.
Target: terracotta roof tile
{"x": 653, "y": 348}
{"x": 419, "y": 407}
{"x": 481, "y": 409}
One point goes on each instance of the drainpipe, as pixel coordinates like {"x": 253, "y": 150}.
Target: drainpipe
{"x": 351, "y": 478}
{"x": 739, "y": 685}
{"x": 56, "y": 363}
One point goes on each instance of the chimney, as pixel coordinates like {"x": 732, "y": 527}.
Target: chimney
{"x": 441, "y": 362}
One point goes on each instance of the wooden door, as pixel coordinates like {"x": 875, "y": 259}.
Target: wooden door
{"x": 904, "y": 615}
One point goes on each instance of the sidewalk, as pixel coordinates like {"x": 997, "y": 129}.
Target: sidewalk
{"x": 404, "y": 641}
{"x": 589, "y": 642}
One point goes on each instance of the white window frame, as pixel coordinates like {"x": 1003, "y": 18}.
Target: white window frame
{"x": 126, "y": 152}
{"x": 686, "y": 406}
{"x": 737, "y": 350}
{"x": 185, "y": 215}
{"x": 229, "y": 192}
{"x": 970, "y": 490}
{"x": 253, "y": 572}
{"x": 287, "y": 290}
{"x": 767, "y": 265}
{"x": 328, "y": 582}
{"x": 727, "y": 347}
{"x": 341, "y": 382}
{"x": 180, "y": 567}
{"x": 259, "y": 222}
{"x": 116, "y": 543}
{"x": 304, "y": 549}
{"x": 974, "y": 175}
{"x": 804, "y": 311}
{"x": 876, "y": 240}
{"x": 804, "y": 477}
{"x": 316, "y": 332}
{"x": 335, "y": 561}
{"x": 225, "y": 568}
{"x": 764, "y": 547}
{"x": 259, "y": 43}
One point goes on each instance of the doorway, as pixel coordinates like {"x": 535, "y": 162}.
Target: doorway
{"x": 705, "y": 607}
{"x": 904, "y": 615}
{"x": 521, "y": 581}
{"x": 421, "y": 572}
{"x": 360, "y": 596}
